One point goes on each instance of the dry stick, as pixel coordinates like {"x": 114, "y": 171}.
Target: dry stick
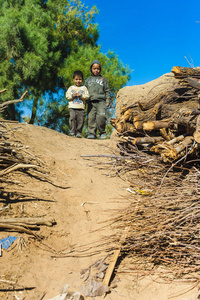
{"x": 16, "y": 228}
{"x": 113, "y": 262}
{"x": 8, "y": 121}
{"x": 7, "y": 281}
{"x": 176, "y": 139}
{"x": 16, "y": 167}
{"x": 30, "y": 221}
{"x": 33, "y": 156}
{"x": 183, "y": 157}
{"x": 3, "y": 105}
{"x": 104, "y": 155}
{"x": 3, "y": 91}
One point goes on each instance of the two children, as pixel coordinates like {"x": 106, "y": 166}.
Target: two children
{"x": 98, "y": 101}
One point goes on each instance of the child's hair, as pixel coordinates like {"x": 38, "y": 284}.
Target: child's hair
{"x": 78, "y": 73}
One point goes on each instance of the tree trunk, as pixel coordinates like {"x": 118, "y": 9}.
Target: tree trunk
{"x": 34, "y": 110}
{"x": 12, "y": 112}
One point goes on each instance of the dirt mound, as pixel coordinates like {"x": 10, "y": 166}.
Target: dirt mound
{"x": 131, "y": 94}
{"x": 82, "y": 197}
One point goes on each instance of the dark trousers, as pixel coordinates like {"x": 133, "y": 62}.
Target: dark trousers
{"x": 96, "y": 116}
{"x": 76, "y": 120}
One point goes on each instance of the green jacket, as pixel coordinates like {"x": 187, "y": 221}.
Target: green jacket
{"x": 97, "y": 86}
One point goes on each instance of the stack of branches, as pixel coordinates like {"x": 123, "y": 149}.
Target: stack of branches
{"x": 17, "y": 161}
{"x": 168, "y": 124}
{"x": 162, "y": 229}
{"x": 158, "y": 231}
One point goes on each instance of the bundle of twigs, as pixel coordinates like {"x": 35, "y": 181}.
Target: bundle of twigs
{"x": 160, "y": 225}
{"x": 163, "y": 229}
{"x": 168, "y": 124}
{"x": 17, "y": 163}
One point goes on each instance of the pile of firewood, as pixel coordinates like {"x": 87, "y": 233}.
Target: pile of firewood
{"x": 168, "y": 124}
{"x": 17, "y": 163}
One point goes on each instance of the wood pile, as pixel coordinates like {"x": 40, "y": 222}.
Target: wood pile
{"x": 168, "y": 124}
{"x": 17, "y": 163}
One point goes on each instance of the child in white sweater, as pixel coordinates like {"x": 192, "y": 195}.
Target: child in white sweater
{"x": 77, "y": 95}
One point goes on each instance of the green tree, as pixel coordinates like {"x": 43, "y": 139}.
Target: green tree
{"x": 35, "y": 38}
{"x": 41, "y": 43}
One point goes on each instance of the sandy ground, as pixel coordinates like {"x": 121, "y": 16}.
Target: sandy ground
{"x": 87, "y": 198}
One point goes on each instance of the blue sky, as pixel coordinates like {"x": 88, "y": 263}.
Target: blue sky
{"x": 150, "y": 36}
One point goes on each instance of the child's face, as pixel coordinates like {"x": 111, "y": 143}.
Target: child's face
{"x": 96, "y": 69}
{"x": 78, "y": 80}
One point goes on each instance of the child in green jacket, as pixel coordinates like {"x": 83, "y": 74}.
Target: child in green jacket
{"x": 98, "y": 101}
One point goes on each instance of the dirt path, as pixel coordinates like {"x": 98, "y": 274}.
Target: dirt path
{"x": 88, "y": 198}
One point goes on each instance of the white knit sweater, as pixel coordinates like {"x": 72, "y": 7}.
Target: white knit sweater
{"x": 77, "y": 102}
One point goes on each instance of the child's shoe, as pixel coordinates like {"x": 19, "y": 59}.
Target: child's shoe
{"x": 72, "y": 134}
{"x": 103, "y": 136}
{"x": 78, "y": 135}
{"x": 91, "y": 136}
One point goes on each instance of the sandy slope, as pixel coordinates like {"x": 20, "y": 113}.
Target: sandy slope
{"x": 34, "y": 266}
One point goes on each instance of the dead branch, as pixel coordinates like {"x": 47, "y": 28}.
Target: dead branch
{"x": 16, "y": 167}
{"x": 3, "y": 91}
{"x": 29, "y": 221}
{"x": 5, "y": 104}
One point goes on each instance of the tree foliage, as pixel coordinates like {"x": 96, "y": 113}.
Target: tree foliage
{"x": 35, "y": 38}
{"x": 42, "y": 42}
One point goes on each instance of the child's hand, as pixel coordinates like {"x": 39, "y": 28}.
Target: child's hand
{"x": 74, "y": 95}
{"x": 78, "y": 94}
{"x": 107, "y": 104}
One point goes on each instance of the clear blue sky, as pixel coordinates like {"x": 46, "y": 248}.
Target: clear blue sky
{"x": 150, "y": 36}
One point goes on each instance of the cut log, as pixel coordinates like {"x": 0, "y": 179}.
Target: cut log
{"x": 171, "y": 154}
{"x": 195, "y": 83}
{"x": 155, "y": 125}
{"x": 183, "y": 72}
{"x": 176, "y": 139}
{"x": 122, "y": 126}
{"x": 158, "y": 148}
{"x": 138, "y": 125}
{"x": 158, "y": 107}
{"x": 147, "y": 140}
{"x": 125, "y": 116}
{"x": 123, "y": 109}
{"x": 164, "y": 134}
{"x": 184, "y": 144}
